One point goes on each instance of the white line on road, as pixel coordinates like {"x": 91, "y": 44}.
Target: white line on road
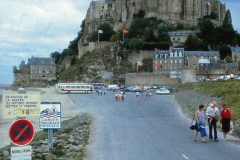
{"x": 185, "y": 156}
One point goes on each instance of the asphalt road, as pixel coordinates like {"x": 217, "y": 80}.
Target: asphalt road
{"x": 145, "y": 129}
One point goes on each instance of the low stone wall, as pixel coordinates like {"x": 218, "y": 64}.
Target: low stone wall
{"x": 150, "y": 79}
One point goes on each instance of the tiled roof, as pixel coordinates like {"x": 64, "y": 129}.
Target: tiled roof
{"x": 202, "y": 53}
{"x": 177, "y": 34}
{"x": 235, "y": 49}
{"x": 39, "y": 60}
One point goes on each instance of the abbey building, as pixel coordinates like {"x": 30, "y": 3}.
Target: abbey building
{"x": 119, "y": 13}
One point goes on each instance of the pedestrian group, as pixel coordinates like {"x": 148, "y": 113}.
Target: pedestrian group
{"x": 213, "y": 116}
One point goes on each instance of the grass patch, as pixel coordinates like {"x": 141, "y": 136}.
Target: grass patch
{"x": 228, "y": 90}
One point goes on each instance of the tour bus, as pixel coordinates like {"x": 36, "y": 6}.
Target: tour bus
{"x": 74, "y": 88}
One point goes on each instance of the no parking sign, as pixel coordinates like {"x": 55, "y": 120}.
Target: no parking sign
{"x": 21, "y": 132}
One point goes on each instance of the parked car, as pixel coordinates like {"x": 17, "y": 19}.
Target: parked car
{"x": 168, "y": 88}
{"x": 162, "y": 91}
{"x": 128, "y": 89}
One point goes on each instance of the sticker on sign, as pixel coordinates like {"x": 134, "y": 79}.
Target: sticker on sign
{"x": 20, "y": 104}
{"x": 21, "y": 151}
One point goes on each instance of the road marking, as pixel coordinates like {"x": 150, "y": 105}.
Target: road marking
{"x": 185, "y": 156}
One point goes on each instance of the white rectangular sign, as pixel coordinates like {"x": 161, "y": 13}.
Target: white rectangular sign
{"x": 50, "y": 115}
{"x": 21, "y": 151}
{"x": 22, "y": 158}
{"x": 20, "y": 104}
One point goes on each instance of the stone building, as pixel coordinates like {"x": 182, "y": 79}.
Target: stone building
{"x": 119, "y": 13}
{"x": 171, "y": 62}
{"x": 236, "y": 57}
{"x": 38, "y": 71}
{"x": 179, "y": 37}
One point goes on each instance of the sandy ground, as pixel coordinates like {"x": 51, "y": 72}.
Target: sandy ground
{"x": 47, "y": 95}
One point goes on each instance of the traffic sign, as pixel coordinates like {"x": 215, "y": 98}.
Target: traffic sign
{"x": 17, "y": 104}
{"x": 50, "y": 115}
{"x": 21, "y": 132}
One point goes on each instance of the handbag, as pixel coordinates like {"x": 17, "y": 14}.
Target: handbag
{"x": 192, "y": 127}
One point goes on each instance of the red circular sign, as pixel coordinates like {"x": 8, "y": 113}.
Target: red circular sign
{"x": 21, "y": 132}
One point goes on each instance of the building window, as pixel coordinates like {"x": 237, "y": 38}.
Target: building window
{"x": 175, "y": 61}
{"x": 160, "y": 61}
{"x": 180, "y": 61}
{"x": 165, "y": 61}
{"x": 171, "y": 61}
{"x": 202, "y": 57}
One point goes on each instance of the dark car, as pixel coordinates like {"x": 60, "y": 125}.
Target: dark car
{"x": 128, "y": 89}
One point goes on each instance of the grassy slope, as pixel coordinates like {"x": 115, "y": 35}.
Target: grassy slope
{"x": 228, "y": 90}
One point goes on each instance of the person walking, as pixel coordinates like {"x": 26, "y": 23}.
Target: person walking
{"x": 200, "y": 124}
{"x": 147, "y": 94}
{"x": 212, "y": 112}
{"x": 137, "y": 93}
{"x": 150, "y": 95}
{"x": 116, "y": 96}
{"x": 104, "y": 90}
{"x": 225, "y": 120}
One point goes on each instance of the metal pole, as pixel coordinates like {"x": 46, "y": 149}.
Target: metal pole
{"x": 137, "y": 67}
{"x": 123, "y": 36}
{"x": 98, "y": 36}
{"x": 50, "y": 139}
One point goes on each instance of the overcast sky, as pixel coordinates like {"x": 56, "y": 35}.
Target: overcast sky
{"x": 38, "y": 28}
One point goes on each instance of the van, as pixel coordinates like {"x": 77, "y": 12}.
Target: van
{"x": 112, "y": 87}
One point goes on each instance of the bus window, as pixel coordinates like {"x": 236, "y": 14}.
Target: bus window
{"x": 77, "y": 86}
{"x": 82, "y": 86}
{"x": 72, "y": 86}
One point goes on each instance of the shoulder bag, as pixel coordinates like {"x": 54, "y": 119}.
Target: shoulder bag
{"x": 192, "y": 127}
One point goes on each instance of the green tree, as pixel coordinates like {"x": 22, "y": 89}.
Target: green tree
{"x": 56, "y": 55}
{"x": 228, "y": 59}
{"x": 224, "y": 51}
{"x": 163, "y": 35}
{"x": 171, "y": 27}
{"x": 192, "y": 43}
{"x": 135, "y": 44}
{"x": 116, "y": 37}
{"x": 107, "y": 32}
{"x": 208, "y": 32}
{"x": 213, "y": 15}
{"x": 228, "y": 35}
{"x": 180, "y": 26}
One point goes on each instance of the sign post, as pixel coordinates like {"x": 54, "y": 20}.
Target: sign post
{"x": 50, "y": 118}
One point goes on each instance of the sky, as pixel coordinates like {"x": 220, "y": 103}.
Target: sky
{"x": 38, "y": 28}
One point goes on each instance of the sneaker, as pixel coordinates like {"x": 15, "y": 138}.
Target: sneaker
{"x": 216, "y": 140}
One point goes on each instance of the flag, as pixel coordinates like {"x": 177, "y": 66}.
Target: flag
{"x": 100, "y": 31}
{"x": 140, "y": 64}
{"x": 125, "y": 31}
{"x": 157, "y": 64}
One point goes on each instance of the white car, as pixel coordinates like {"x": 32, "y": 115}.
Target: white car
{"x": 162, "y": 91}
